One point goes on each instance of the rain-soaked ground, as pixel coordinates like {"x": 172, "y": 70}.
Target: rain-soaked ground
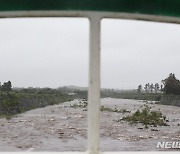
{"x": 63, "y": 128}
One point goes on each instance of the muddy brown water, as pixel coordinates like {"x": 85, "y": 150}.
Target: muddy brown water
{"x": 63, "y": 128}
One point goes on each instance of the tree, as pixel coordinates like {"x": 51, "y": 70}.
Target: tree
{"x": 171, "y": 85}
{"x": 156, "y": 87}
{"x": 7, "y": 86}
{"x": 151, "y": 87}
{"x": 139, "y": 88}
{"x": 161, "y": 88}
{"x": 147, "y": 87}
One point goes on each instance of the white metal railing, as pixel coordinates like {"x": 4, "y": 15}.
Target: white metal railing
{"x": 94, "y": 87}
{"x": 94, "y": 61}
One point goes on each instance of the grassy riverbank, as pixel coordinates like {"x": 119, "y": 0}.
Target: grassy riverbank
{"x": 21, "y": 100}
{"x": 24, "y": 99}
{"x": 160, "y": 98}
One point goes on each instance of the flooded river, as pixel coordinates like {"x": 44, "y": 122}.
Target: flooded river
{"x": 63, "y": 128}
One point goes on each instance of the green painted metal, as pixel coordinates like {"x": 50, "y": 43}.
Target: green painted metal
{"x": 150, "y": 7}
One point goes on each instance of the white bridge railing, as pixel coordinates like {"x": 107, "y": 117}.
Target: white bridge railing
{"x": 94, "y": 61}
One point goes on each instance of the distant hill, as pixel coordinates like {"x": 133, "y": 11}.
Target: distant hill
{"x": 73, "y": 88}
{"x": 77, "y": 88}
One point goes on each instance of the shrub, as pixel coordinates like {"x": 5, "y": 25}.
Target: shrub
{"x": 147, "y": 117}
{"x": 9, "y": 103}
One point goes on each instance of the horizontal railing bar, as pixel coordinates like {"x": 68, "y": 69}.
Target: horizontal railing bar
{"x": 88, "y": 14}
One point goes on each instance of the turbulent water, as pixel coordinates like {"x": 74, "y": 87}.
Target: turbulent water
{"x": 63, "y": 128}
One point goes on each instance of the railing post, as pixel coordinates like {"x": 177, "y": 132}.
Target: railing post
{"x": 94, "y": 87}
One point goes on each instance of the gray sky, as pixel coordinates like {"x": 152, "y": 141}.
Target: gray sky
{"x": 53, "y": 52}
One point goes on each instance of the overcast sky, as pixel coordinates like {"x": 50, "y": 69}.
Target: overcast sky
{"x": 53, "y": 52}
